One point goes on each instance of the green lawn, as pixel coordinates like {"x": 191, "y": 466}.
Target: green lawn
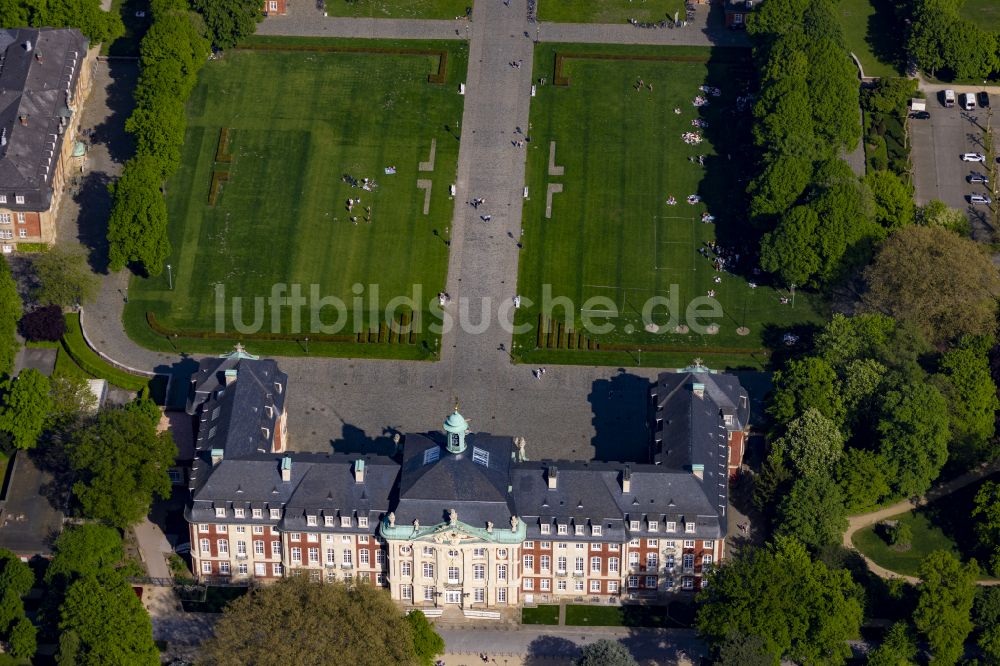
{"x": 985, "y": 13}
{"x": 629, "y": 615}
{"x": 872, "y": 35}
{"x": 297, "y": 123}
{"x": 612, "y": 236}
{"x": 608, "y": 11}
{"x": 545, "y": 614}
{"x": 424, "y": 9}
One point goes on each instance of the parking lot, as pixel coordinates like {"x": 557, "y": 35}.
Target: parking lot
{"x": 937, "y": 144}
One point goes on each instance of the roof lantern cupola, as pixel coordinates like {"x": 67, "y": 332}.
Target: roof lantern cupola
{"x": 456, "y": 427}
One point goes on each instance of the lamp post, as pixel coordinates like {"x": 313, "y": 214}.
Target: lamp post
{"x": 307, "y": 344}
{"x": 126, "y": 294}
{"x": 640, "y": 357}
{"x": 170, "y": 277}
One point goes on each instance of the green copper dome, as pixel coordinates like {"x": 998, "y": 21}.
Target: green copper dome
{"x": 455, "y": 423}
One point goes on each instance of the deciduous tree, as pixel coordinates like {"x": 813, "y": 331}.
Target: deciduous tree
{"x": 861, "y": 477}
{"x": 84, "y": 550}
{"x": 121, "y": 462}
{"x": 894, "y": 205}
{"x": 972, "y": 400}
{"x": 806, "y": 384}
{"x": 322, "y": 623}
{"x": 137, "y": 227}
{"x": 45, "y": 323}
{"x": 947, "y": 590}
{"x": 914, "y": 437}
{"x": 64, "y": 277}
{"x": 897, "y": 649}
{"x": 812, "y": 444}
{"x": 426, "y": 642}
{"x": 813, "y": 512}
{"x": 26, "y": 406}
{"x": 229, "y": 21}
{"x": 935, "y": 213}
{"x": 803, "y": 610}
{"x": 606, "y": 652}
{"x": 947, "y": 286}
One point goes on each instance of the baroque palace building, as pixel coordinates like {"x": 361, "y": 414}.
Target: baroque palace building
{"x": 457, "y": 517}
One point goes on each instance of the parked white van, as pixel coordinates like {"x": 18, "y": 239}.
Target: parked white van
{"x": 968, "y": 101}
{"x": 949, "y": 97}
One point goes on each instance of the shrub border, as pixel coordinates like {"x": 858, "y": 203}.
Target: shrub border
{"x": 379, "y": 335}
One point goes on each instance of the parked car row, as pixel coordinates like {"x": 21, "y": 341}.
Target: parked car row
{"x": 968, "y": 100}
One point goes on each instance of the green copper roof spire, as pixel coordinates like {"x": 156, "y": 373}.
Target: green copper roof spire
{"x": 456, "y": 427}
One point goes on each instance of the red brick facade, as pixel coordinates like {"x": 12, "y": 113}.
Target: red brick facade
{"x": 275, "y": 7}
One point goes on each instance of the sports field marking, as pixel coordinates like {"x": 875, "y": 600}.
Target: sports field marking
{"x": 657, "y": 242}
{"x": 425, "y": 185}
{"x": 553, "y": 169}
{"x": 429, "y": 164}
{"x": 553, "y": 188}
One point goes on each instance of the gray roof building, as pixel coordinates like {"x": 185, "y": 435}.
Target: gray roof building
{"x": 39, "y": 69}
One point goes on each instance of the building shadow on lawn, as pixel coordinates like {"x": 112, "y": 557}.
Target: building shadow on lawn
{"x": 620, "y": 417}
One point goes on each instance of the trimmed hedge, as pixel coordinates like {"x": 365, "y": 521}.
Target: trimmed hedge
{"x": 441, "y": 76}
{"x": 160, "y": 329}
{"x": 218, "y": 178}
{"x": 32, "y": 247}
{"x": 222, "y": 153}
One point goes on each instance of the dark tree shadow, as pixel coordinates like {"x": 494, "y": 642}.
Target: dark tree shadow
{"x": 544, "y": 648}
{"x": 620, "y": 407}
{"x": 94, "y": 200}
{"x": 886, "y": 34}
{"x": 110, "y": 133}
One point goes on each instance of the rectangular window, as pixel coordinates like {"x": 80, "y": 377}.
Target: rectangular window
{"x": 561, "y": 565}
{"x": 612, "y": 587}
{"x": 275, "y": 514}
{"x": 545, "y": 562}
{"x": 206, "y": 567}
{"x": 295, "y": 536}
{"x": 595, "y": 530}
{"x": 529, "y": 583}
{"x": 3, "y": 198}
{"x": 428, "y": 550}
{"x": 452, "y": 574}
{"x": 561, "y": 546}
{"x": 614, "y": 547}
{"x": 258, "y": 547}
{"x": 546, "y": 545}
{"x": 737, "y": 19}
{"x": 633, "y": 524}
{"x": 224, "y": 568}
{"x": 256, "y": 513}
{"x": 689, "y": 543}
{"x": 706, "y": 560}
{"x": 595, "y": 586}
{"x": 19, "y": 198}
{"x": 260, "y": 569}
{"x": 650, "y": 582}
{"x": 561, "y": 529}
{"x": 312, "y": 538}
{"x": 501, "y": 595}
{"x": 561, "y": 585}
{"x": 613, "y": 563}
{"x": 428, "y": 570}
{"x": 687, "y": 583}
{"x": 501, "y": 572}
{"x": 241, "y": 548}
{"x": 595, "y": 565}
{"x": 651, "y": 560}
{"x": 595, "y": 546}
{"x": 258, "y": 529}
{"x": 708, "y": 545}
{"x": 578, "y": 565}
{"x": 633, "y": 581}
{"x": 220, "y": 512}
{"x": 6, "y": 233}
{"x": 331, "y": 556}
{"x": 348, "y": 556}
{"x": 689, "y": 528}
{"x": 479, "y": 594}
{"x": 406, "y": 591}
{"x": 272, "y": 5}
{"x": 652, "y": 543}
{"x": 529, "y": 562}
{"x": 223, "y": 547}
{"x": 314, "y": 556}
{"x": 633, "y": 558}
{"x": 205, "y": 546}
{"x": 239, "y": 513}
{"x": 579, "y": 546}
{"x": 578, "y": 530}
{"x": 688, "y": 561}
{"x": 671, "y": 526}
{"x": 362, "y": 521}
{"x": 653, "y": 525}
{"x": 203, "y": 527}
{"x": 276, "y": 549}
{"x": 241, "y": 529}
{"x": 428, "y": 593}
{"x": 528, "y": 545}
{"x": 22, "y": 233}
{"x": 404, "y": 569}
{"x": 311, "y": 521}
{"x": 297, "y": 555}
{"x": 362, "y": 538}
{"x": 4, "y": 218}
{"x": 545, "y": 528}
{"x": 478, "y": 571}
{"x": 363, "y": 556}
{"x": 380, "y": 578}
{"x": 345, "y": 538}
{"x": 578, "y": 585}
{"x": 545, "y": 584}
{"x": 345, "y": 521}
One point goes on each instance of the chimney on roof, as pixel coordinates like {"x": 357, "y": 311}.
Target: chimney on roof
{"x": 551, "y": 475}
{"x": 217, "y": 455}
{"x": 24, "y": 119}
{"x": 698, "y": 470}
{"x": 698, "y": 389}
{"x": 230, "y": 376}
{"x": 627, "y": 479}
{"x": 359, "y": 471}
{"x": 27, "y": 46}
{"x": 286, "y": 469}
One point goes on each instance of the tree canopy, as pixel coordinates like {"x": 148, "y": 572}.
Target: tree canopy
{"x": 10, "y": 314}
{"x": 64, "y": 277}
{"x": 802, "y": 609}
{"x": 944, "y": 607}
{"x": 426, "y": 642}
{"x": 16, "y": 580}
{"x": 972, "y": 400}
{"x": 137, "y": 227}
{"x": 229, "y": 21}
{"x": 84, "y": 550}
{"x": 121, "y": 462}
{"x": 813, "y": 512}
{"x": 812, "y": 444}
{"x": 914, "y": 437}
{"x": 605, "y": 652}
{"x": 947, "y": 286}
{"x": 87, "y": 15}
{"x": 322, "y": 623}
{"x": 25, "y": 407}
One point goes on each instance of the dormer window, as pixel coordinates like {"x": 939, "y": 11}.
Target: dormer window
{"x": 362, "y": 521}
{"x": 220, "y": 512}
{"x": 633, "y": 524}
{"x": 277, "y": 387}
{"x": 239, "y": 513}
{"x": 257, "y": 513}
{"x": 266, "y": 432}
{"x": 275, "y": 514}
{"x": 311, "y": 521}
{"x": 561, "y": 529}
{"x": 545, "y": 528}
{"x": 328, "y": 521}
{"x": 345, "y": 521}
{"x": 689, "y": 528}
{"x": 595, "y": 530}
{"x": 579, "y": 530}
{"x": 269, "y": 411}
{"x": 653, "y": 525}
{"x": 671, "y": 526}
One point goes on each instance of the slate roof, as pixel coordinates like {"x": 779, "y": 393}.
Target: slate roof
{"x": 478, "y": 492}
{"x": 38, "y": 89}
{"x": 233, "y": 418}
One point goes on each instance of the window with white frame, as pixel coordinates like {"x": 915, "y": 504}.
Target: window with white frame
{"x": 406, "y": 591}
{"x": 578, "y": 585}
{"x": 687, "y": 583}
{"x": 275, "y": 514}
{"x": 580, "y": 546}
{"x": 428, "y": 593}
{"x": 206, "y": 567}
{"x": 203, "y": 527}
{"x": 613, "y": 564}
{"x": 345, "y": 538}
{"x": 633, "y": 581}
{"x": 4, "y": 218}
{"x": 689, "y": 527}
{"x": 239, "y": 513}
{"x": 528, "y": 545}
{"x": 258, "y": 547}
{"x": 312, "y": 538}
{"x": 706, "y": 560}
{"x": 501, "y": 595}
{"x": 241, "y": 548}
{"x": 380, "y": 578}
{"x": 404, "y": 569}
{"x": 240, "y": 529}
{"x": 363, "y": 557}
{"x": 479, "y": 552}
{"x": 223, "y": 545}
{"x": 313, "y": 556}
{"x": 331, "y": 556}
{"x": 453, "y": 574}
{"x": 529, "y": 562}
{"x": 258, "y": 529}
{"x": 478, "y": 571}
{"x": 634, "y": 543}
{"x": 297, "y": 555}
{"x": 362, "y": 521}
{"x": 578, "y": 530}
{"x": 561, "y": 565}
{"x": 428, "y": 570}
{"x": 653, "y": 525}
{"x": 206, "y": 546}
{"x": 479, "y": 595}
{"x": 6, "y": 234}
{"x": 379, "y": 556}
{"x": 689, "y": 543}
{"x": 561, "y": 545}
{"x": 347, "y": 556}
{"x": 501, "y": 572}
{"x": 688, "y": 561}
{"x": 22, "y": 233}
{"x": 612, "y": 587}
{"x": 220, "y": 512}
{"x": 708, "y": 545}
{"x": 544, "y": 562}
{"x": 277, "y": 568}
{"x": 502, "y": 553}
{"x": 345, "y": 521}
{"x": 671, "y": 526}
{"x": 256, "y": 513}
{"x": 259, "y": 569}
{"x": 633, "y": 558}
{"x": 650, "y": 582}
{"x": 544, "y": 584}
{"x": 561, "y": 528}
{"x": 545, "y": 528}
{"x": 427, "y": 550}
{"x": 529, "y": 583}
{"x": 328, "y": 521}
{"x": 561, "y": 585}
{"x": 652, "y": 543}
{"x": 651, "y": 560}
{"x": 19, "y": 198}
{"x": 295, "y": 536}
{"x": 633, "y": 524}
{"x": 595, "y": 586}
{"x": 578, "y": 565}
{"x": 545, "y": 545}
{"x": 595, "y": 530}
{"x": 224, "y": 568}
{"x": 614, "y": 547}
{"x": 595, "y": 565}
{"x": 311, "y": 521}
{"x": 595, "y": 546}
{"x": 275, "y": 548}
{"x": 3, "y": 198}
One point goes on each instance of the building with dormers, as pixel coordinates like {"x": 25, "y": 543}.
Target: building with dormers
{"x": 459, "y": 518}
